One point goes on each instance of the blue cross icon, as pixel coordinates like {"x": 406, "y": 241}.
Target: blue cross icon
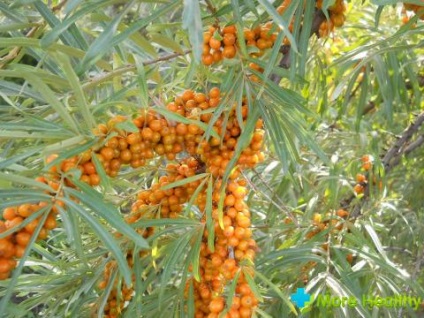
{"x": 300, "y": 297}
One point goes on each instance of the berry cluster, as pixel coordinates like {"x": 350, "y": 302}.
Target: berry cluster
{"x": 13, "y": 246}
{"x": 220, "y": 43}
{"x": 234, "y": 249}
{"x": 361, "y": 179}
{"x": 232, "y": 256}
{"x": 120, "y": 294}
{"x": 334, "y": 224}
{"x": 184, "y": 144}
{"x": 337, "y": 17}
{"x": 331, "y": 224}
{"x": 150, "y": 203}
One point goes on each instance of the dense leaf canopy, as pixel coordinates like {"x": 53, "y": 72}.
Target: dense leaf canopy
{"x": 333, "y": 199}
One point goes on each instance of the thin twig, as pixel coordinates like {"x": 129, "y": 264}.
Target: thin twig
{"x": 166, "y": 58}
{"x": 13, "y": 53}
{"x": 59, "y": 6}
{"x": 279, "y": 205}
{"x": 395, "y": 152}
{"x": 128, "y": 68}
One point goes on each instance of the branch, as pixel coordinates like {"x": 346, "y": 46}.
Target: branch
{"x": 392, "y": 158}
{"x": 128, "y": 68}
{"x": 319, "y": 17}
{"x": 59, "y": 6}
{"x": 420, "y": 80}
{"x": 394, "y": 154}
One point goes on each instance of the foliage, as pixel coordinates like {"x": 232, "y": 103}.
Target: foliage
{"x": 68, "y": 66}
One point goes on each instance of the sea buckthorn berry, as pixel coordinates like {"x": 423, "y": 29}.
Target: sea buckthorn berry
{"x": 230, "y": 29}
{"x": 107, "y": 153}
{"x": 214, "y": 92}
{"x": 342, "y": 213}
{"x": 360, "y": 178}
{"x": 215, "y": 43}
{"x": 358, "y": 188}
{"x": 229, "y": 39}
{"x": 217, "y": 305}
{"x": 208, "y": 59}
{"x": 23, "y": 238}
{"x": 229, "y": 51}
{"x": 9, "y": 213}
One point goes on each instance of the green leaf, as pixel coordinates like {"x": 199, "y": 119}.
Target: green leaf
{"x": 181, "y": 119}
{"x": 107, "y": 39}
{"x": 60, "y": 27}
{"x": 103, "y": 42}
{"x": 48, "y": 15}
{"x": 166, "y": 42}
{"x": 277, "y": 291}
{"x": 105, "y": 236}
{"x": 95, "y": 201}
{"x": 52, "y": 99}
{"x": 192, "y": 22}
{"x": 81, "y": 100}
{"x": 184, "y": 181}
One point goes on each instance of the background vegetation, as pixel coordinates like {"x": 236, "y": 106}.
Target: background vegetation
{"x": 69, "y": 66}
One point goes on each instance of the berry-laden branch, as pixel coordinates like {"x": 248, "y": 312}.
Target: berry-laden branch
{"x": 234, "y": 249}
{"x": 320, "y": 27}
{"x": 402, "y": 145}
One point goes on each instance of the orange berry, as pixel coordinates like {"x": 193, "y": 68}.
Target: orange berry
{"x": 25, "y": 210}
{"x": 31, "y": 226}
{"x": 365, "y": 158}
{"x": 358, "y": 189}
{"x": 229, "y": 39}
{"x": 229, "y": 51}
{"x": 230, "y": 29}
{"x": 245, "y": 312}
{"x": 9, "y": 213}
{"x": 155, "y": 125}
{"x": 215, "y": 43}
{"x": 243, "y": 289}
{"x": 217, "y": 56}
{"x": 206, "y": 37}
{"x": 14, "y": 222}
{"x": 89, "y": 168}
{"x": 4, "y": 265}
{"x": 246, "y": 301}
{"x": 367, "y": 166}
{"x": 94, "y": 179}
{"x": 217, "y": 305}
{"x": 240, "y": 192}
{"x": 50, "y": 223}
{"x": 23, "y": 238}
{"x": 230, "y": 200}
{"x": 107, "y": 153}
{"x": 342, "y": 213}
{"x": 360, "y": 178}
{"x": 228, "y": 231}
{"x": 214, "y": 92}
